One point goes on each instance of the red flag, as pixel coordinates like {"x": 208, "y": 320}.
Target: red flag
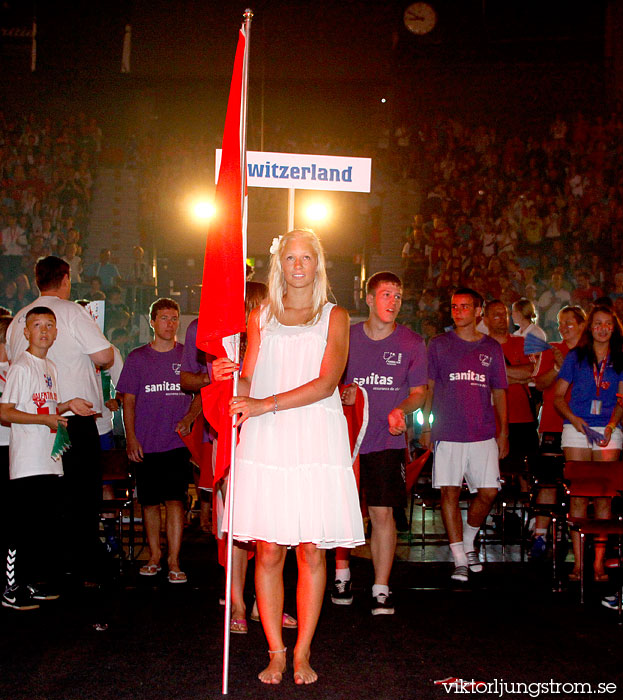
{"x": 221, "y": 311}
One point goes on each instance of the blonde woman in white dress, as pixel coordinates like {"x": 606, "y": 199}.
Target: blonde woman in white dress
{"x": 294, "y": 482}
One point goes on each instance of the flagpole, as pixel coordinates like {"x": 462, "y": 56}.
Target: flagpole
{"x": 248, "y": 15}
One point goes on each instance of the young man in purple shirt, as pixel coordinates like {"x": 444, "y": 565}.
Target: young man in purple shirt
{"x": 388, "y": 361}
{"x": 155, "y": 410}
{"x": 467, "y": 393}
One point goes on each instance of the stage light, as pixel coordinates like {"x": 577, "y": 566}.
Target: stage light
{"x": 317, "y": 211}
{"x": 383, "y": 100}
{"x": 203, "y": 210}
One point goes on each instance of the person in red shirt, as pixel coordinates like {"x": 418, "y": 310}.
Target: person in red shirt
{"x": 571, "y": 322}
{"x": 522, "y": 435}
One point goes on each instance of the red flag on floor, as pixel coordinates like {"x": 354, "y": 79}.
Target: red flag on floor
{"x": 221, "y": 311}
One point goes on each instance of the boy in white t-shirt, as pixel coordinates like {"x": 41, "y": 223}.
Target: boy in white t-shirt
{"x": 30, "y": 405}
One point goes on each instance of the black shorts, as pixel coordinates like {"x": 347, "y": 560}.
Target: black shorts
{"x": 163, "y": 476}
{"x": 382, "y": 478}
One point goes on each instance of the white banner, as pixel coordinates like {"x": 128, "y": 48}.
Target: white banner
{"x": 306, "y": 172}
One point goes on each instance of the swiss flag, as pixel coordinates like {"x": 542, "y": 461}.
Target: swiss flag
{"x": 221, "y": 311}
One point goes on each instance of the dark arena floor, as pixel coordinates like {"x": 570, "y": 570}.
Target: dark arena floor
{"x": 145, "y": 638}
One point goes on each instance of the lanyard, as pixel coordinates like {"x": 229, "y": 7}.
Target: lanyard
{"x": 602, "y": 369}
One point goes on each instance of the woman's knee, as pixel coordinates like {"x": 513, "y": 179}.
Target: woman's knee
{"x": 270, "y": 555}
{"x": 310, "y": 556}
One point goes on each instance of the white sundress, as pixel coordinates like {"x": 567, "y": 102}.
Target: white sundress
{"x": 294, "y": 478}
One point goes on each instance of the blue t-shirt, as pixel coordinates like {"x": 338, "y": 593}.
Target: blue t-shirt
{"x": 584, "y": 390}
{"x": 464, "y": 373}
{"x": 386, "y": 369}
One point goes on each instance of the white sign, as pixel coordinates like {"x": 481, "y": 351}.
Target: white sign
{"x": 306, "y": 172}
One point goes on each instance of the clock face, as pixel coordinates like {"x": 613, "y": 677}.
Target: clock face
{"x": 420, "y": 18}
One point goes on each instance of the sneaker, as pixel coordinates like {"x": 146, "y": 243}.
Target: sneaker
{"x": 383, "y": 604}
{"x": 611, "y": 602}
{"x": 473, "y": 562}
{"x": 538, "y": 549}
{"x": 342, "y": 593}
{"x": 43, "y": 593}
{"x": 19, "y": 598}
{"x": 460, "y": 573}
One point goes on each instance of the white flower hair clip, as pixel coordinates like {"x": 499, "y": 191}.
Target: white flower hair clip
{"x": 274, "y": 246}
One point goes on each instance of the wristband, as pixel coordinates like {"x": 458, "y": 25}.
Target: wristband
{"x": 612, "y": 426}
{"x": 275, "y": 407}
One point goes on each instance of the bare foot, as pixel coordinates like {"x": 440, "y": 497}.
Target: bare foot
{"x": 303, "y": 672}
{"x": 273, "y": 673}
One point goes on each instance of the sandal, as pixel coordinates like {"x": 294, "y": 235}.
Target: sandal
{"x": 574, "y": 576}
{"x": 238, "y": 626}
{"x": 287, "y": 621}
{"x": 601, "y": 578}
{"x": 150, "y": 570}
{"x": 177, "y": 577}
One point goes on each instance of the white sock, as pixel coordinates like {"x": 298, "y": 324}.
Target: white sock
{"x": 469, "y": 535}
{"x": 458, "y": 554}
{"x": 541, "y": 532}
{"x": 342, "y": 575}
{"x": 379, "y": 589}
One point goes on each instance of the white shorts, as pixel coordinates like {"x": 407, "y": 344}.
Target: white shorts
{"x": 572, "y": 438}
{"x": 476, "y": 462}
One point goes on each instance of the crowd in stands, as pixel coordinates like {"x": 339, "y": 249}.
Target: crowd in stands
{"x": 47, "y": 168}
{"x": 513, "y": 217}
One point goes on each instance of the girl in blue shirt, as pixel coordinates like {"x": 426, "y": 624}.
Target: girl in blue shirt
{"x": 594, "y": 370}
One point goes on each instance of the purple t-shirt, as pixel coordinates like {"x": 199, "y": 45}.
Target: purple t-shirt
{"x": 193, "y": 359}
{"x": 464, "y": 374}
{"x": 154, "y": 379}
{"x": 386, "y": 369}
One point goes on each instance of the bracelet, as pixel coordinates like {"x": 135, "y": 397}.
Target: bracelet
{"x": 275, "y": 408}
{"x": 612, "y": 426}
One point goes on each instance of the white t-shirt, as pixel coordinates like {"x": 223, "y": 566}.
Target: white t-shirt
{"x": 5, "y": 430}
{"x": 31, "y": 385}
{"x": 78, "y": 337}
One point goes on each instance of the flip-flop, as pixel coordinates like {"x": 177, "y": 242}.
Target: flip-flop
{"x": 287, "y": 621}
{"x": 601, "y": 578}
{"x": 150, "y": 570}
{"x": 177, "y": 577}
{"x": 573, "y": 576}
{"x": 238, "y": 626}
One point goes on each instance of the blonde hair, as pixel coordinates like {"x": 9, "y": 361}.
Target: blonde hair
{"x": 526, "y": 308}
{"x": 276, "y": 281}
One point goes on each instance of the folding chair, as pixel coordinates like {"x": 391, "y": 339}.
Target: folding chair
{"x": 116, "y": 471}
{"x": 551, "y": 478}
{"x": 594, "y": 480}
{"x": 413, "y": 470}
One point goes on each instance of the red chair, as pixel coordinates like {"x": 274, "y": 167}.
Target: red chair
{"x": 594, "y": 480}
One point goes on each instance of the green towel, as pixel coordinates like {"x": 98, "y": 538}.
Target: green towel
{"x": 61, "y": 442}
{"x": 106, "y": 385}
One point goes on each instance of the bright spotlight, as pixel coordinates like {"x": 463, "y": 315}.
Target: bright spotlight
{"x": 203, "y": 210}
{"x": 383, "y": 100}
{"x": 317, "y": 212}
